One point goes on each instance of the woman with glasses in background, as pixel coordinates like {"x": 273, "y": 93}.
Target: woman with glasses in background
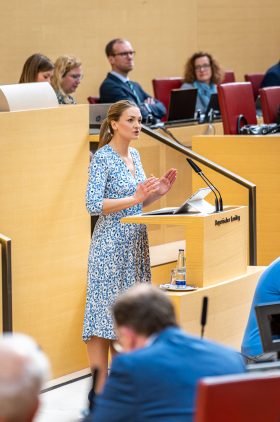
{"x": 37, "y": 68}
{"x": 203, "y": 73}
{"x": 66, "y": 78}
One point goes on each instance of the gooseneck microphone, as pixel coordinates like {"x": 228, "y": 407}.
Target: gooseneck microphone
{"x": 218, "y": 202}
{"x": 204, "y": 314}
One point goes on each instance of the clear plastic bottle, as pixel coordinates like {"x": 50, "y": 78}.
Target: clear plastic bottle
{"x": 181, "y": 269}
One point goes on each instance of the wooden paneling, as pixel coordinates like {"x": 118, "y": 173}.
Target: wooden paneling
{"x": 164, "y": 34}
{"x": 44, "y": 157}
{"x": 216, "y": 244}
{"x": 256, "y": 158}
{"x": 228, "y": 308}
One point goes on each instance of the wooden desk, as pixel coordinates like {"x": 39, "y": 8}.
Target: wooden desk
{"x": 216, "y": 244}
{"x": 185, "y": 133}
{"x": 255, "y": 158}
{"x": 229, "y": 300}
{"x": 228, "y": 308}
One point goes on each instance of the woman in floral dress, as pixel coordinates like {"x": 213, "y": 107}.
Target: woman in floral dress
{"x": 119, "y": 253}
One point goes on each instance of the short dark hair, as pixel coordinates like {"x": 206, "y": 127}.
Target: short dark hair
{"x": 109, "y": 49}
{"x": 145, "y": 309}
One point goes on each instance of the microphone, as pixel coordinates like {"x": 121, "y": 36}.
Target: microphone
{"x": 218, "y": 202}
{"x": 203, "y": 314}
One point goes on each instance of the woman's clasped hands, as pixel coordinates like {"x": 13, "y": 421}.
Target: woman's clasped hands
{"x": 145, "y": 189}
{"x": 154, "y": 187}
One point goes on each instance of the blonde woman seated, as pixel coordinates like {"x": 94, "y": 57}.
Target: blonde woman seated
{"x": 66, "y": 78}
{"x": 37, "y": 68}
{"x": 203, "y": 73}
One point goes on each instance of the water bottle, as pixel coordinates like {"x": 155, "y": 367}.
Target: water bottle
{"x": 181, "y": 269}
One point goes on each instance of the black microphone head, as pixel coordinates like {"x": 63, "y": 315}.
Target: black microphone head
{"x": 204, "y": 311}
{"x": 194, "y": 166}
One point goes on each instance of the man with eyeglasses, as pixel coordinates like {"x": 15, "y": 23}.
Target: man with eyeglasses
{"x": 155, "y": 376}
{"x": 117, "y": 85}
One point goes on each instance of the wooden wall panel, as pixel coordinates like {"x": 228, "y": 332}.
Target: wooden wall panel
{"x": 43, "y": 175}
{"x": 243, "y": 36}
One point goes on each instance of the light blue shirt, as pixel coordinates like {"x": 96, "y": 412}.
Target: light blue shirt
{"x": 121, "y": 77}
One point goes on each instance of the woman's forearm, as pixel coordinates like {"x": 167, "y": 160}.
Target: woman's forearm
{"x": 114, "y": 205}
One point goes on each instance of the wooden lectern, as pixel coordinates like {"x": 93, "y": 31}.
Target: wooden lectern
{"x": 216, "y": 244}
{"x": 216, "y": 261}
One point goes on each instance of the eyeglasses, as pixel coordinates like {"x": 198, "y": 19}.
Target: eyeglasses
{"x": 76, "y": 77}
{"x": 125, "y": 54}
{"x": 202, "y": 67}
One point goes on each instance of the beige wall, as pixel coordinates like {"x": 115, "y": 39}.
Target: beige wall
{"x": 243, "y": 36}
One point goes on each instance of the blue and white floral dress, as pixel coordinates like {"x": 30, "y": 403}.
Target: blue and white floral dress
{"x": 119, "y": 253}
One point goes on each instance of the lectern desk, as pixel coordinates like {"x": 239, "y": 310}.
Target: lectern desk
{"x": 216, "y": 251}
{"x": 216, "y": 244}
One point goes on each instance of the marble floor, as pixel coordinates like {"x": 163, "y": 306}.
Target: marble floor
{"x": 64, "y": 399}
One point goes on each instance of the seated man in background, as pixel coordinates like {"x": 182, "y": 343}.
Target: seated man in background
{"x": 267, "y": 291}
{"x": 156, "y": 378}
{"x": 117, "y": 85}
{"x": 23, "y": 369}
{"x": 272, "y": 76}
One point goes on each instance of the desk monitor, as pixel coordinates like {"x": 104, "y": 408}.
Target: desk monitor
{"x": 214, "y": 106}
{"x": 97, "y": 113}
{"x": 182, "y": 105}
{"x": 268, "y": 318}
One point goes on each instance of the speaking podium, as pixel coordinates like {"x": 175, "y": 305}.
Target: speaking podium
{"x": 216, "y": 261}
{"x": 216, "y": 244}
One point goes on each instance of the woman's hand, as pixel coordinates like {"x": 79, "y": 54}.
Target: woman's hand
{"x": 145, "y": 189}
{"x": 166, "y": 181}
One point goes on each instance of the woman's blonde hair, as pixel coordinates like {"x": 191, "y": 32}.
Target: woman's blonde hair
{"x": 62, "y": 66}
{"x": 189, "y": 74}
{"x": 33, "y": 65}
{"x": 114, "y": 113}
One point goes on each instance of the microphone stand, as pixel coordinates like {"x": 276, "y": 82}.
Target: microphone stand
{"x": 221, "y": 206}
{"x": 218, "y": 201}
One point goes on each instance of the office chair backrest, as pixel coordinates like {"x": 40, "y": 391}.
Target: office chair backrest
{"x": 235, "y": 99}
{"x": 162, "y": 88}
{"x": 93, "y": 100}
{"x": 229, "y": 76}
{"x": 239, "y": 398}
{"x": 270, "y": 101}
{"x": 256, "y": 81}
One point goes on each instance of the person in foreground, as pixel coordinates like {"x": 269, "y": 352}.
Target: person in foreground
{"x": 267, "y": 290}
{"x": 37, "y": 68}
{"x": 203, "y": 73}
{"x": 155, "y": 379}
{"x": 119, "y": 253}
{"x": 117, "y": 85}
{"x": 66, "y": 78}
{"x": 23, "y": 370}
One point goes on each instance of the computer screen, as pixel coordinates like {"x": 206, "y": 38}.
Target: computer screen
{"x": 268, "y": 318}
{"x": 182, "y": 105}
